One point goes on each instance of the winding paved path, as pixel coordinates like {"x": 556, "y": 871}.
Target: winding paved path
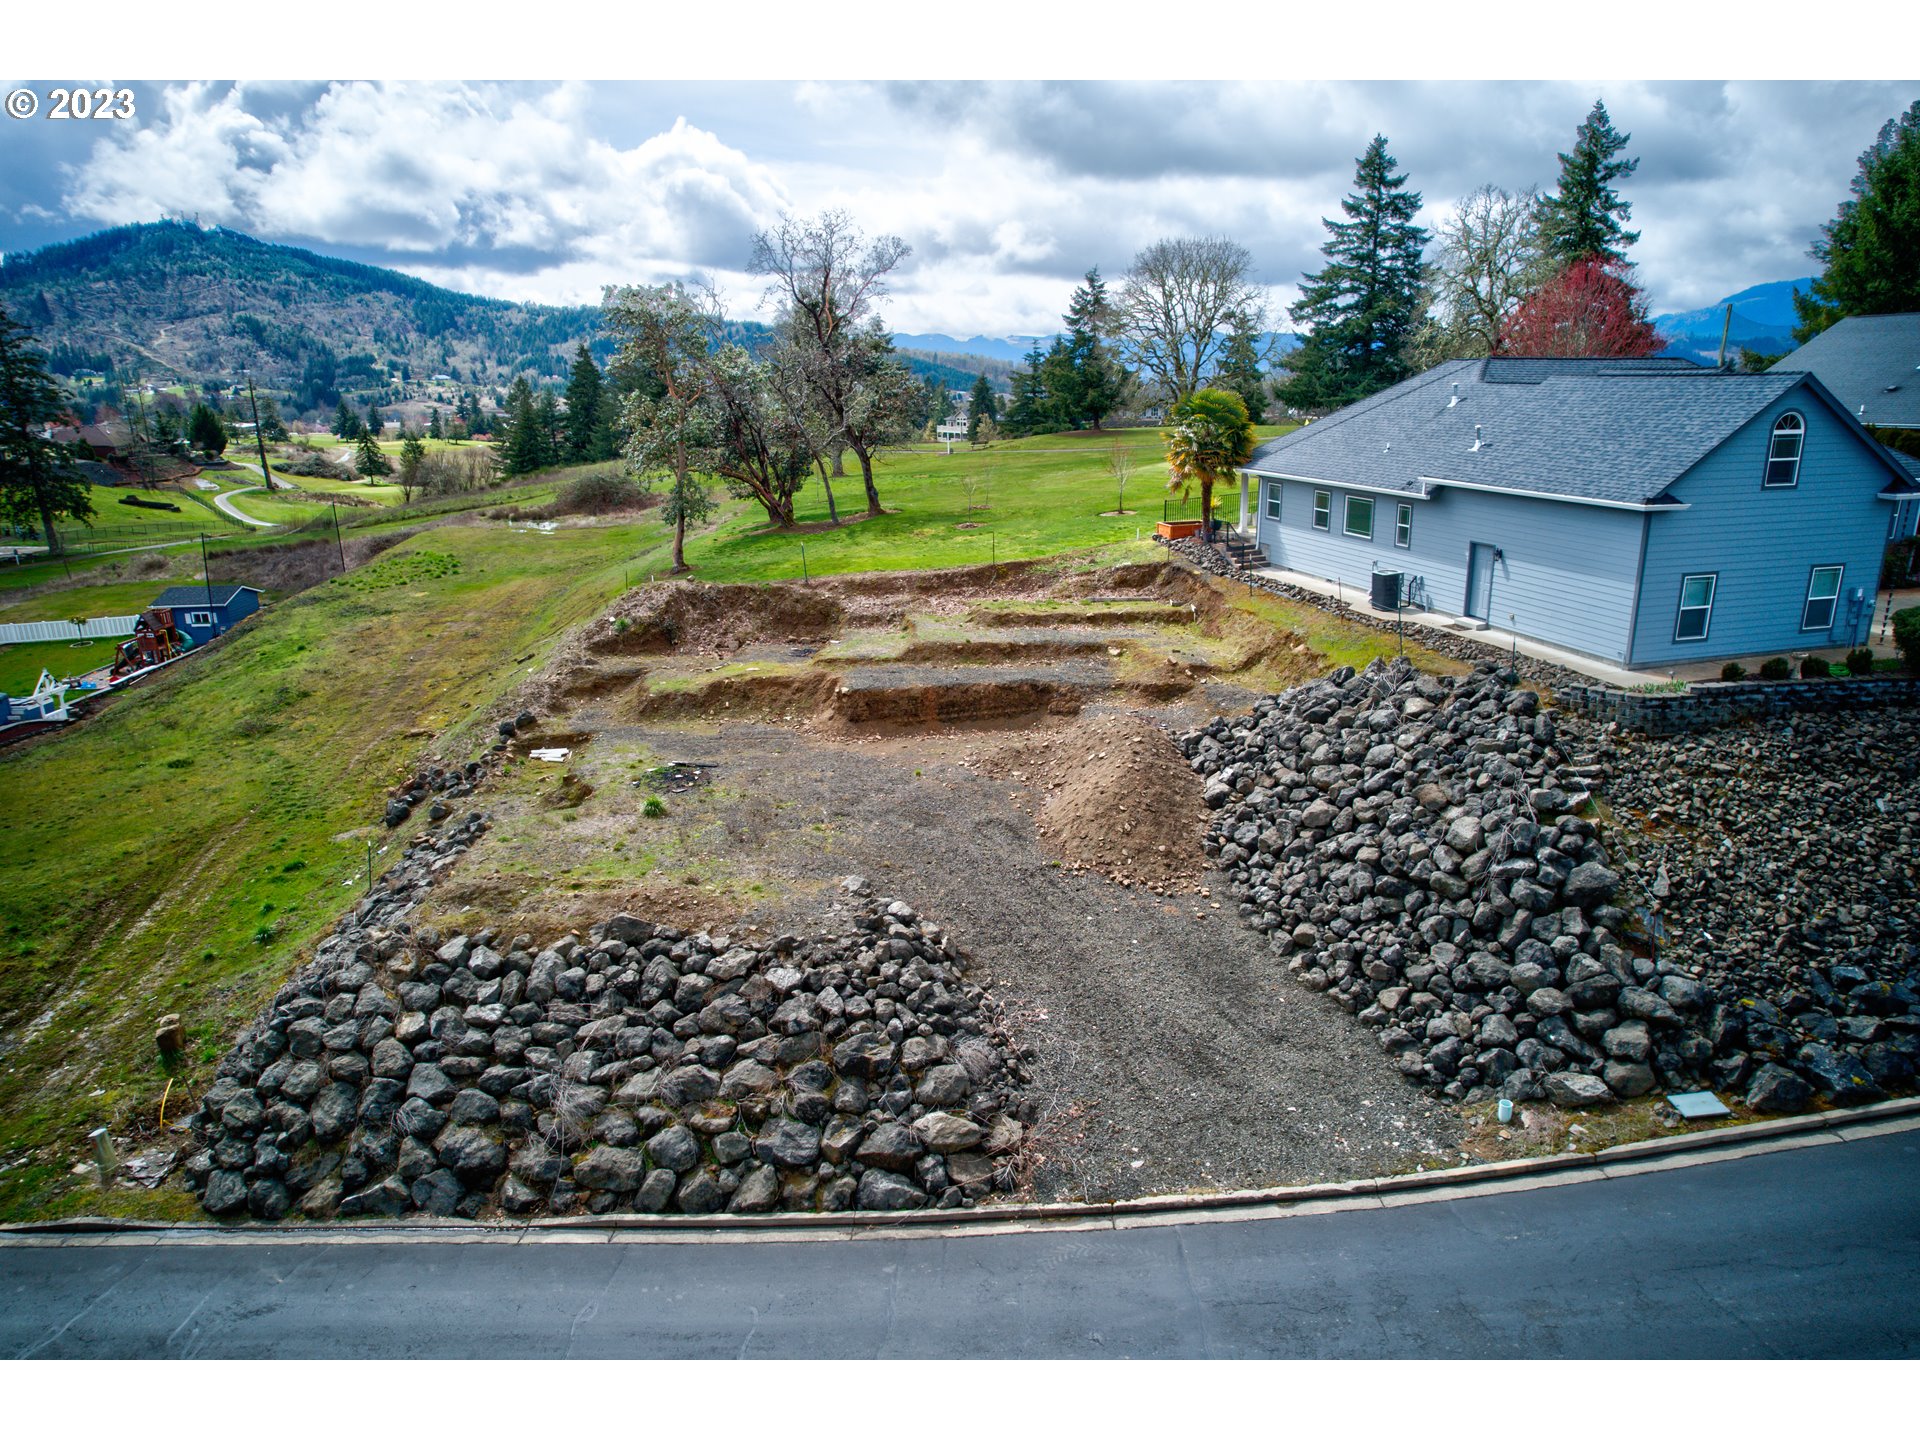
{"x": 1808, "y": 1251}
{"x": 235, "y": 512}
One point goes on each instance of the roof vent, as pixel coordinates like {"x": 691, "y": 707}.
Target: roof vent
{"x": 1454, "y": 399}
{"x": 1386, "y": 447}
{"x": 1476, "y": 439}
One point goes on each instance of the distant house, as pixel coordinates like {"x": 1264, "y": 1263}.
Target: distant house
{"x": 1871, "y": 363}
{"x": 1649, "y": 513}
{"x": 109, "y": 439}
{"x": 203, "y": 612}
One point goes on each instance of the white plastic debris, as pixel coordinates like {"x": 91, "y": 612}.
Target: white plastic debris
{"x": 553, "y": 755}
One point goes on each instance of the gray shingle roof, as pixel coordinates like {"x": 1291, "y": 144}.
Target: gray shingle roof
{"x": 188, "y": 597}
{"x": 1607, "y": 432}
{"x": 1859, "y": 358}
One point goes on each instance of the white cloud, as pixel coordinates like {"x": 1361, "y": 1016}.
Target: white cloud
{"x": 1007, "y": 192}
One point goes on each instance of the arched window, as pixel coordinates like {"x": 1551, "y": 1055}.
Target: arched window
{"x": 1783, "y": 454}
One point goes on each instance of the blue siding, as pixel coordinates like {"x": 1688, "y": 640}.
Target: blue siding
{"x": 1566, "y": 576}
{"x": 1763, "y": 543}
{"x": 225, "y": 617}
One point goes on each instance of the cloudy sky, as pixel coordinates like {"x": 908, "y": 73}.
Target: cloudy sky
{"x": 1006, "y": 190}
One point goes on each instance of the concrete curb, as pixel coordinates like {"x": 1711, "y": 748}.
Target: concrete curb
{"x": 1461, "y": 1182}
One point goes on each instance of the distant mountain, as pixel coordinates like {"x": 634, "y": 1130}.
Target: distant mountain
{"x": 1012, "y": 349}
{"x": 173, "y": 300}
{"x": 1763, "y": 321}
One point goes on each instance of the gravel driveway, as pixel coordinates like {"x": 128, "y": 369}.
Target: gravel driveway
{"x": 1170, "y": 1051}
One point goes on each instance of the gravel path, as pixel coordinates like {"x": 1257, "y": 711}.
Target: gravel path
{"x": 1170, "y": 1051}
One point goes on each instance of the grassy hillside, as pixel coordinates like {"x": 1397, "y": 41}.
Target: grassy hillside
{"x": 176, "y": 852}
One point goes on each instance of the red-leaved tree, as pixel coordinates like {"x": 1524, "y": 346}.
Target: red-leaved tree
{"x": 1590, "y": 307}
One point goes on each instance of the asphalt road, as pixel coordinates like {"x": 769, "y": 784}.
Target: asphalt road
{"x": 1808, "y": 1252}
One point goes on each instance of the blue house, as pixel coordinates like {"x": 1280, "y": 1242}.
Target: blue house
{"x": 1644, "y": 512}
{"x": 201, "y": 612}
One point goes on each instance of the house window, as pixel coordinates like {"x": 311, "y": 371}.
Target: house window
{"x": 1322, "y": 510}
{"x": 202, "y": 618}
{"x": 1403, "y": 527}
{"x": 1273, "y": 500}
{"x": 1783, "y": 455}
{"x": 1696, "y": 607}
{"x": 1359, "y": 518}
{"x": 1823, "y": 592}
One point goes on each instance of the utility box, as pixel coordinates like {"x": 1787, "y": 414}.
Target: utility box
{"x": 1386, "y": 589}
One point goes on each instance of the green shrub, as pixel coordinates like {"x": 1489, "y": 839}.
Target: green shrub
{"x": 1814, "y": 668}
{"x": 1733, "y": 670}
{"x": 1906, "y": 634}
{"x": 1776, "y": 669}
{"x": 654, "y": 808}
{"x": 1860, "y": 662}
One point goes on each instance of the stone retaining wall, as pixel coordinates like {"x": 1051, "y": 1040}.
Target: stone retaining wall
{"x": 1715, "y": 703}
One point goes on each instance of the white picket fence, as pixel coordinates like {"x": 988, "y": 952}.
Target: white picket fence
{"x": 110, "y": 627}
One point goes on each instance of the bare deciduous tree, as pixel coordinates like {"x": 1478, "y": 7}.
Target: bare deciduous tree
{"x": 826, "y": 277}
{"x": 1491, "y": 258}
{"x": 1177, "y": 304}
{"x": 1120, "y": 466}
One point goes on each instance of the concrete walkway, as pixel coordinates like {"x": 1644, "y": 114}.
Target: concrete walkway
{"x": 1496, "y": 641}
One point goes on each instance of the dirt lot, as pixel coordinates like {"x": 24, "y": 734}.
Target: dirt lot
{"x": 1028, "y": 801}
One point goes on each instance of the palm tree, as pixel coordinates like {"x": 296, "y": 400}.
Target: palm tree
{"x": 1210, "y": 437}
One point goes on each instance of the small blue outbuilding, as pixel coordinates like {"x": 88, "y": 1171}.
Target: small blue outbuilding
{"x": 1646, "y": 512}
{"x": 201, "y": 612}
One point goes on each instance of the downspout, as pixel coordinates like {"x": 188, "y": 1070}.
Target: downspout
{"x": 1243, "y": 502}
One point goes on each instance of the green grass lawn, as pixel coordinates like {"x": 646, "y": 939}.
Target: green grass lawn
{"x": 126, "y": 597}
{"x": 1029, "y": 498}
{"x": 20, "y": 665}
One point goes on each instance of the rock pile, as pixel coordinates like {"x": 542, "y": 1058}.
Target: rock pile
{"x": 638, "y": 1069}
{"x": 445, "y": 783}
{"x": 1779, "y": 858}
{"x": 1411, "y": 842}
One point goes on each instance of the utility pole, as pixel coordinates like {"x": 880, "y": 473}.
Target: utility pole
{"x": 206, "y": 570}
{"x": 338, "y": 542}
{"x": 259, "y": 440}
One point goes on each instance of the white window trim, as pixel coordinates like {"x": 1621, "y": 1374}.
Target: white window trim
{"x": 200, "y": 617}
{"x": 1273, "y": 504}
{"x": 1713, "y": 594}
{"x": 1346, "y": 517}
{"x": 1767, "y": 482}
{"x": 1839, "y": 573}
{"x": 1323, "y": 510}
{"x": 1403, "y": 525}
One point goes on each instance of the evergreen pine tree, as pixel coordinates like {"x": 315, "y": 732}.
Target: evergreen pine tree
{"x": 346, "y": 424}
{"x": 434, "y": 431}
{"x": 583, "y": 428}
{"x": 376, "y": 423}
{"x": 981, "y": 405}
{"x": 549, "y": 432}
{"x": 1240, "y": 367}
{"x": 1364, "y": 305}
{"x": 272, "y": 427}
{"x": 368, "y": 460}
{"x": 1586, "y": 216}
{"x": 38, "y": 482}
{"x": 1091, "y": 386}
{"x": 205, "y": 432}
{"x": 522, "y": 449}
{"x": 1870, "y": 250}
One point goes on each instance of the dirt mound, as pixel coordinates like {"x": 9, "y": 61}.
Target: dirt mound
{"x": 691, "y": 617}
{"x": 1119, "y": 798}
